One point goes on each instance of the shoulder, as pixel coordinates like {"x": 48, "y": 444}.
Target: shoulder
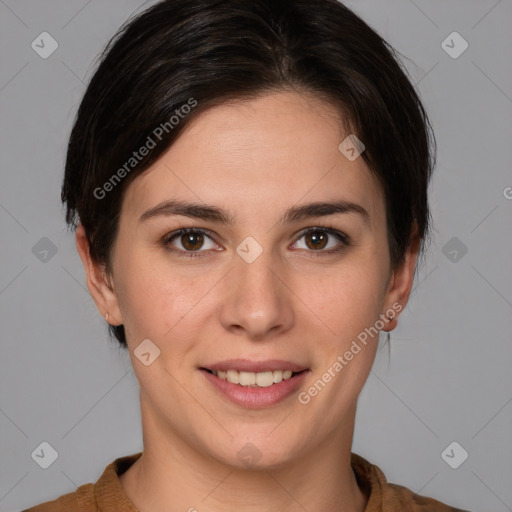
{"x": 386, "y": 497}
{"x": 399, "y": 495}
{"x": 82, "y": 500}
{"x": 105, "y": 494}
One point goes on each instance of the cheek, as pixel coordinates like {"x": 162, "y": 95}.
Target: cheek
{"x": 159, "y": 303}
{"x": 348, "y": 304}
{"x": 347, "y": 299}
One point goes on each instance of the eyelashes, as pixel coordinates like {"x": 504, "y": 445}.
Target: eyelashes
{"x": 188, "y": 237}
{"x": 342, "y": 238}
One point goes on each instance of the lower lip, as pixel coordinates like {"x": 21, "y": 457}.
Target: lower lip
{"x": 255, "y": 397}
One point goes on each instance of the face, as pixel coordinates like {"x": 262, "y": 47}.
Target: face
{"x": 258, "y": 283}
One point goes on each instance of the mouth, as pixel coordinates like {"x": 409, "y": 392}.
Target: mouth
{"x": 262, "y": 379}
{"x": 255, "y": 384}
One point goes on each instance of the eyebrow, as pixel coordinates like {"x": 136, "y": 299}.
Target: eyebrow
{"x": 215, "y": 214}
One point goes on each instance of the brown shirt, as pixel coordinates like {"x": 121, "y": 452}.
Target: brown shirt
{"x": 107, "y": 494}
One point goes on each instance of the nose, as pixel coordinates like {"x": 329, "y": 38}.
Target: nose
{"x": 257, "y": 303}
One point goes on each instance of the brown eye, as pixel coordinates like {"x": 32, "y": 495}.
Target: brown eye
{"x": 322, "y": 241}
{"x": 192, "y": 241}
{"x": 316, "y": 240}
{"x": 195, "y": 242}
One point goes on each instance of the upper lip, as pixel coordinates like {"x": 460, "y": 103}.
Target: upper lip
{"x": 247, "y": 365}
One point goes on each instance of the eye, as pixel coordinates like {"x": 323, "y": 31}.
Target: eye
{"x": 189, "y": 241}
{"x": 323, "y": 240}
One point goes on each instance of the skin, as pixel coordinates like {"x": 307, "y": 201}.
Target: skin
{"x": 292, "y": 303}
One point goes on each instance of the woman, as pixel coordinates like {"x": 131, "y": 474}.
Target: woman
{"x": 248, "y": 182}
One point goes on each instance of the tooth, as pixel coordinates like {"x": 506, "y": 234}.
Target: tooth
{"x": 233, "y": 376}
{"x": 252, "y": 379}
{"x": 278, "y": 376}
{"x": 264, "y": 379}
{"x": 247, "y": 378}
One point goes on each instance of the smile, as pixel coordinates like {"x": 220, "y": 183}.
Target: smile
{"x": 254, "y": 379}
{"x": 255, "y": 390}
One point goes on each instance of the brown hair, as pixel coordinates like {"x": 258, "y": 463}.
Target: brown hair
{"x": 181, "y": 57}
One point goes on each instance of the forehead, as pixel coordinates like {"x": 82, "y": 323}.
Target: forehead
{"x": 279, "y": 149}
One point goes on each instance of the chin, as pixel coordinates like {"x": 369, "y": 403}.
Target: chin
{"x": 258, "y": 452}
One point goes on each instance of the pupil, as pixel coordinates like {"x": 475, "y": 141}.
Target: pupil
{"x": 317, "y": 239}
{"x": 191, "y": 241}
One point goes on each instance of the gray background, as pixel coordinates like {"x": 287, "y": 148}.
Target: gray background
{"x": 448, "y": 375}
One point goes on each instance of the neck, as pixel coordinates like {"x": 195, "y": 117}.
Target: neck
{"x": 172, "y": 476}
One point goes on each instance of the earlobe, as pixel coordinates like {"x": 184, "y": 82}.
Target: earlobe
{"x": 100, "y": 288}
{"x": 401, "y": 281}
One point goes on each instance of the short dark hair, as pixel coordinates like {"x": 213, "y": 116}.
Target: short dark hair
{"x": 202, "y": 53}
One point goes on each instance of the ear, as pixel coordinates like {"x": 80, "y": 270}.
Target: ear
{"x": 98, "y": 282}
{"x": 400, "y": 283}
